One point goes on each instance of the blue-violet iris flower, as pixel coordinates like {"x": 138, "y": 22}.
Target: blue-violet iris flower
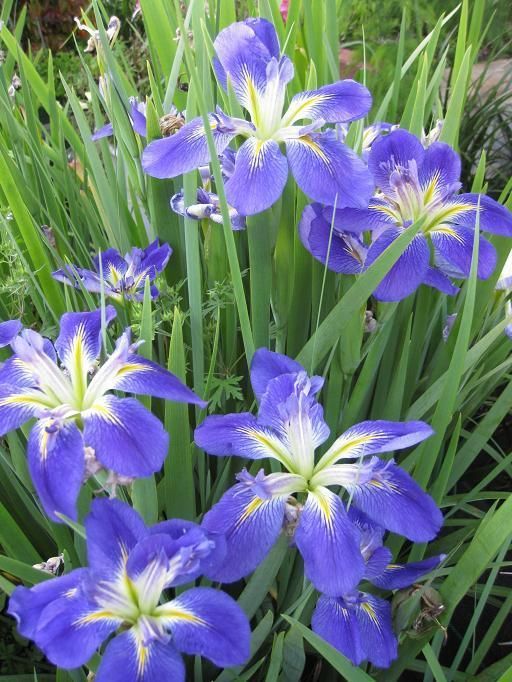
{"x": 360, "y": 624}
{"x": 122, "y": 593}
{"x": 120, "y": 278}
{"x": 70, "y": 396}
{"x": 137, "y": 119}
{"x": 248, "y": 56}
{"x": 413, "y": 183}
{"x": 9, "y": 330}
{"x": 288, "y": 429}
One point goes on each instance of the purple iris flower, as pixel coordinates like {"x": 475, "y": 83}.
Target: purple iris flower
{"x": 137, "y": 118}
{"x": 413, "y": 183}
{"x": 359, "y": 624}
{"x": 120, "y": 278}
{"x": 70, "y": 396}
{"x": 123, "y": 593}
{"x": 248, "y": 55}
{"x": 288, "y": 428}
{"x": 9, "y": 330}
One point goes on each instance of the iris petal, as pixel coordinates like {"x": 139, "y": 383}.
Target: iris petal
{"x": 391, "y": 498}
{"x": 259, "y": 177}
{"x": 394, "y": 152}
{"x": 398, "y": 576}
{"x": 208, "y": 623}
{"x": 361, "y": 629}
{"x": 113, "y": 529}
{"x": 79, "y": 340}
{"x": 267, "y": 365}
{"x": 184, "y": 151}
{"x": 240, "y": 435}
{"x": 338, "y": 102}
{"x": 128, "y": 658}
{"x": 372, "y": 437}
{"x": 125, "y": 436}
{"x": 329, "y": 544}
{"x": 407, "y": 273}
{"x": 345, "y": 253}
{"x": 454, "y": 244}
{"x": 251, "y": 526}
{"x": 328, "y": 171}
{"x": 56, "y": 464}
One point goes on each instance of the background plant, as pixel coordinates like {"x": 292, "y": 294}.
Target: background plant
{"x": 63, "y": 197}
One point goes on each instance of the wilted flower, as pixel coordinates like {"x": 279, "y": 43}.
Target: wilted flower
{"x": 248, "y": 55}
{"x": 120, "y": 278}
{"x": 415, "y": 183}
{"x": 94, "y": 42}
{"x": 359, "y": 624}
{"x": 505, "y": 284}
{"x": 207, "y": 207}
{"x": 288, "y": 429}
{"x": 73, "y": 403}
{"x": 14, "y": 86}
{"x": 120, "y": 594}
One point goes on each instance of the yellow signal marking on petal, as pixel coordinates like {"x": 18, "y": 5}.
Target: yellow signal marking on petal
{"x": 301, "y": 110}
{"x": 446, "y": 229}
{"x": 253, "y": 506}
{"x": 431, "y": 188}
{"x": 129, "y": 367}
{"x": 93, "y": 617}
{"x": 24, "y": 400}
{"x": 180, "y": 614}
{"x": 306, "y": 140}
{"x": 142, "y": 657}
{"x": 393, "y": 567}
{"x": 370, "y": 611}
{"x": 263, "y": 440}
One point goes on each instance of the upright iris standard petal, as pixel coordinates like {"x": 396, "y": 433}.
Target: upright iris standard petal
{"x": 8, "y": 331}
{"x": 267, "y": 365}
{"x": 208, "y": 623}
{"x": 251, "y": 526}
{"x": 79, "y": 340}
{"x": 340, "y": 102}
{"x": 128, "y": 658}
{"x": 243, "y": 57}
{"x": 373, "y": 437}
{"x": 289, "y": 407}
{"x": 360, "y": 627}
{"x": 454, "y": 244}
{"x": 259, "y": 177}
{"x": 184, "y": 151}
{"x": 407, "y": 273}
{"x": 239, "y": 435}
{"x": 56, "y": 465}
{"x": 125, "y": 436}
{"x": 391, "y": 498}
{"x": 441, "y": 169}
{"x": 113, "y": 529}
{"x": 398, "y": 576}
{"x": 340, "y": 252}
{"x": 329, "y": 544}
{"x": 392, "y": 153}
{"x": 328, "y": 171}
{"x": 438, "y": 280}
